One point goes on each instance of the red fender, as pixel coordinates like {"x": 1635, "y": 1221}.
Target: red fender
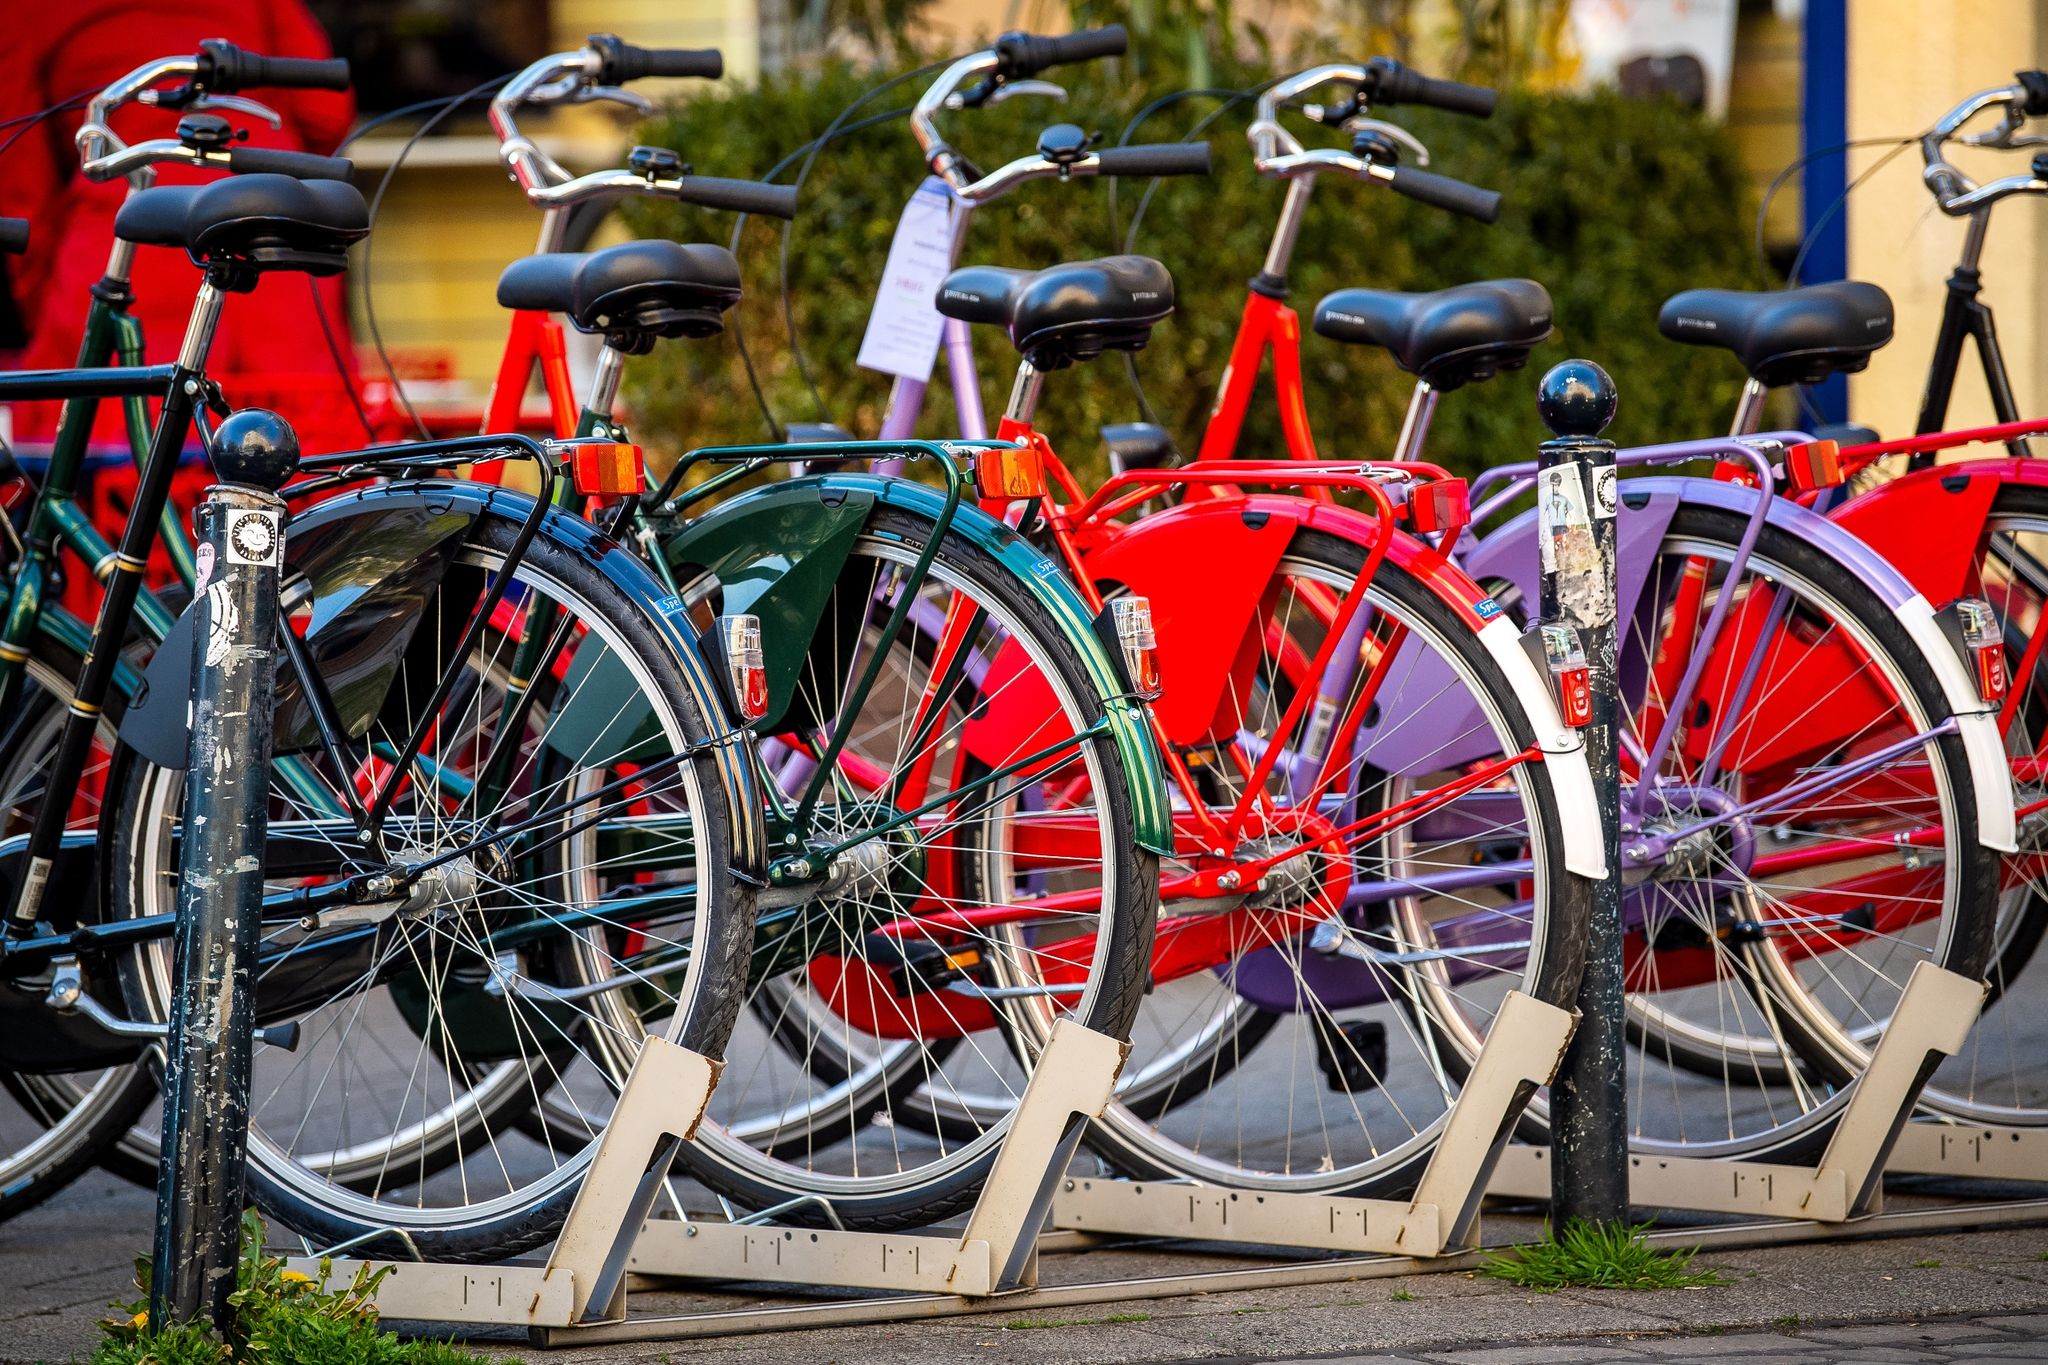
{"x": 1206, "y": 566}
{"x": 1929, "y": 525}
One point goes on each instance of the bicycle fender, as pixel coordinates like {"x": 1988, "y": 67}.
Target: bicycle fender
{"x": 366, "y": 573}
{"x": 994, "y": 736}
{"x": 1782, "y": 723}
{"x": 367, "y": 552}
{"x": 1210, "y": 562}
{"x": 776, "y": 553}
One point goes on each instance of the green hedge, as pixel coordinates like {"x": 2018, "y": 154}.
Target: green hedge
{"x": 1613, "y": 204}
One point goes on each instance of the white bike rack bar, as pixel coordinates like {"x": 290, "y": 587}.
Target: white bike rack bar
{"x": 1520, "y": 1054}
{"x": 1934, "y": 1015}
{"x": 608, "y": 1234}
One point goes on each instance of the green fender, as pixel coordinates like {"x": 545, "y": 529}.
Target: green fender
{"x": 778, "y": 551}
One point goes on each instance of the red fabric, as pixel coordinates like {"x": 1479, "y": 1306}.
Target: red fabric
{"x": 61, "y": 49}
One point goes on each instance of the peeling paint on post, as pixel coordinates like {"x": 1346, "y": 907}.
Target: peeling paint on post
{"x": 1577, "y": 502}
{"x": 220, "y": 874}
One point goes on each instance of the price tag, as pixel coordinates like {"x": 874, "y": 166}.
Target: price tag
{"x": 904, "y": 329}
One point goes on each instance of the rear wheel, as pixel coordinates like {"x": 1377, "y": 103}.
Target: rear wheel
{"x": 583, "y": 903}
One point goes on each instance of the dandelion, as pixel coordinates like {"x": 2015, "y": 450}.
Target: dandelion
{"x": 140, "y": 1319}
{"x": 296, "y": 1277}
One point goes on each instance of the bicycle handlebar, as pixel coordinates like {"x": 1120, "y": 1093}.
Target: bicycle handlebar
{"x": 1021, "y": 55}
{"x": 225, "y": 68}
{"x": 1148, "y": 159}
{"x": 298, "y": 165}
{"x": 1957, "y": 194}
{"x": 1441, "y": 191}
{"x": 218, "y": 68}
{"x": 620, "y": 61}
{"x": 1393, "y": 83}
{"x": 1015, "y": 56}
{"x": 594, "y": 72}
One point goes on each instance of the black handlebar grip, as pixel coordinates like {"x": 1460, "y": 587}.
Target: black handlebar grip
{"x": 1398, "y": 84}
{"x": 1024, "y": 54}
{"x": 1440, "y": 191}
{"x": 227, "y": 69}
{"x": 2035, "y": 83}
{"x": 1161, "y": 158}
{"x": 619, "y": 61}
{"x": 739, "y": 196}
{"x": 297, "y": 165}
{"x": 13, "y": 236}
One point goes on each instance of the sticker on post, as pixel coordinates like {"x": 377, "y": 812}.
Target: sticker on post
{"x": 1606, "y": 491}
{"x": 905, "y": 327}
{"x": 253, "y": 539}
{"x": 1567, "y": 528}
{"x": 202, "y": 566}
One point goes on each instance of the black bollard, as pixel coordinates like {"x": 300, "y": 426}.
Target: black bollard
{"x": 1576, "y": 504}
{"x": 199, "y": 1191}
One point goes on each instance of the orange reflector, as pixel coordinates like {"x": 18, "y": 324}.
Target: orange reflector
{"x": 1445, "y": 505}
{"x": 1812, "y": 465}
{"x": 1006, "y": 473}
{"x": 607, "y": 467}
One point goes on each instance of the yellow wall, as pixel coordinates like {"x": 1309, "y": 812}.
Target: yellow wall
{"x": 1909, "y": 62}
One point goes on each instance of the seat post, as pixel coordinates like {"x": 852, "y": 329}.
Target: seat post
{"x": 1280, "y": 250}
{"x": 1024, "y": 393}
{"x": 1415, "y": 424}
{"x": 604, "y": 383}
{"x": 1749, "y": 410}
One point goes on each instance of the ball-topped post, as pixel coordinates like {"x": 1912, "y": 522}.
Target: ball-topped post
{"x": 255, "y": 447}
{"x": 1577, "y": 502}
{"x": 1576, "y": 399}
{"x": 233, "y": 642}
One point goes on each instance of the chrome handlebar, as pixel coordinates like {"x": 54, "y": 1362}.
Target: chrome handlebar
{"x": 1278, "y": 153}
{"x": 1957, "y": 194}
{"x": 563, "y": 78}
{"x": 104, "y": 156}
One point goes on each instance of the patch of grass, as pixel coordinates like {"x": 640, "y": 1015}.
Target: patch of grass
{"x": 281, "y": 1317}
{"x": 1928, "y": 1264}
{"x": 1403, "y": 1296}
{"x": 1596, "y": 1256}
{"x": 1128, "y": 1317}
{"x": 1788, "y": 1322}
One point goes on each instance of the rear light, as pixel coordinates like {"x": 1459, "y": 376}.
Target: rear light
{"x": 1007, "y": 473}
{"x": 1139, "y": 643}
{"x": 1813, "y": 465}
{"x": 607, "y": 468}
{"x": 1986, "y": 645}
{"x": 1567, "y": 661}
{"x": 1442, "y": 506}
{"x": 745, "y": 665}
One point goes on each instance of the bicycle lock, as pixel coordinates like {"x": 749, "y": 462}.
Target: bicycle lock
{"x": 200, "y": 1179}
{"x": 1577, "y": 498}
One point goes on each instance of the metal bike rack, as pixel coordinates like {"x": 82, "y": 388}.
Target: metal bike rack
{"x": 580, "y": 1290}
{"x": 1934, "y": 1015}
{"x": 1520, "y": 1054}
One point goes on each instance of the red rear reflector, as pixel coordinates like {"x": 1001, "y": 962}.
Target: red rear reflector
{"x": 1568, "y": 672}
{"x": 745, "y": 664}
{"x": 1007, "y": 473}
{"x": 607, "y": 467}
{"x": 1140, "y": 644}
{"x": 1442, "y": 506}
{"x": 1812, "y": 465}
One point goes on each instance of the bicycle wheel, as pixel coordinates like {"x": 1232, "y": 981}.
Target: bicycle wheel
{"x": 2001, "y": 1075}
{"x": 585, "y": 903}
{"x": 1808, "y": 843}
{"x": 1311, "y": 1036}
{"x": 931, "y": 954}
{"x": 62, "y": 1121}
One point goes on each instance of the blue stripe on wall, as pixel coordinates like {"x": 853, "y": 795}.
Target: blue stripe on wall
{"x": 1824, "y": 122}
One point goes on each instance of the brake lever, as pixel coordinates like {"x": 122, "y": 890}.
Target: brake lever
{"x": 614, "y": 94}
{"x": 2001, "y": 136}
{"x": 1359, "y": 123}
{"x": 1012, "y": 89}
{"x": 239, "y": 105}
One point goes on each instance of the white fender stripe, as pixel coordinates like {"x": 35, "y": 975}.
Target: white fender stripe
{"x": 1564, "y": 753}
{"x": 1977, "y": 720}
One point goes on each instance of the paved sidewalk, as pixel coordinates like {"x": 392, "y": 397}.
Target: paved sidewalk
{"x": 1944, "y": 1299}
